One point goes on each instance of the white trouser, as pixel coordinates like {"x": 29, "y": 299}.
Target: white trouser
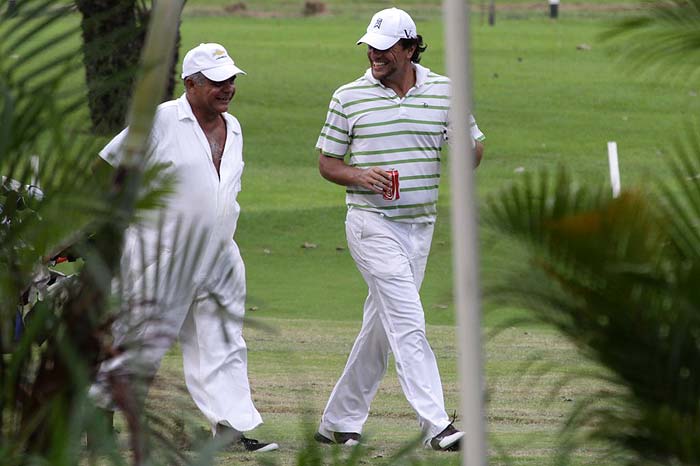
{"x": 391, "y": 257}
{"x": 208, "y": 318}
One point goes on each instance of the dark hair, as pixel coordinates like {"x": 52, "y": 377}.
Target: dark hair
{"x": 420, "y": 47}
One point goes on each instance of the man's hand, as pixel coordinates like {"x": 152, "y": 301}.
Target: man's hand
{"x": 373, "y": 178}
{"x": 336, "y": 170}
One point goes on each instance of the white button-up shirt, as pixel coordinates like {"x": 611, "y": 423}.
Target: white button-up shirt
{"x": 202, "y": 201}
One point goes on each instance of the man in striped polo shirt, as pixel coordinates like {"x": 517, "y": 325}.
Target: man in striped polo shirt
{"x": 393, "y": 117}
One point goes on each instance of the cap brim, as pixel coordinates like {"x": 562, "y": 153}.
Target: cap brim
{"x": 378, "y": 41}
{"x": 222, "y": 73}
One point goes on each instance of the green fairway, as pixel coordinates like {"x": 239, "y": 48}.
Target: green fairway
{"x": 418, "y": 8}
{"x": 541, "y": 102}
{"x": 546, "y": 93}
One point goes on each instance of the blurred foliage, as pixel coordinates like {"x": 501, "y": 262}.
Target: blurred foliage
{"x": 663, "y": 40}
{"x": 47, "y": 363}
{"x": 618, "y": 277}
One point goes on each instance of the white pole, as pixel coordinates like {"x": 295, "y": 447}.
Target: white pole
{"x": 464, "y": 234}
{"x": 614, "y": 168}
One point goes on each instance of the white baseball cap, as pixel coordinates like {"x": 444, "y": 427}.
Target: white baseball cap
{"x": 212, "y": 60}
{"x": 387, "y": 27}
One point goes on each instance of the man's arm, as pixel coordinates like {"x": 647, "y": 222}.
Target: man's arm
{"x": 478, "y": 153}
{"x": 336, "y": 170}
{"x": 477, "y": 138}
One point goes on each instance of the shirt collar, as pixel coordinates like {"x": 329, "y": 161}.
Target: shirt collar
{"x": 421, "y": 74}
{"x": 184, "y": 112}
{"x": 184, "y": 109}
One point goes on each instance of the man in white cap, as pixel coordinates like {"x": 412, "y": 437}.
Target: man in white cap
{"x": 182, "y": 272}
{"x": 394, "y": 117}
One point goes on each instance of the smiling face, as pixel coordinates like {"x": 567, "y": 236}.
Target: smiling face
{"x": 210, "y": 98}
{"x": 390, "y": 65}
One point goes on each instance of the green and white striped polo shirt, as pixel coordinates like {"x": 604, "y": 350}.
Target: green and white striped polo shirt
{"x": 370, "y": 124}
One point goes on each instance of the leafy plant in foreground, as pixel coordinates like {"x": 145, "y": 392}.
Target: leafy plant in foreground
{"x": 45, "y": 370}
{"x": 618, "y": 278}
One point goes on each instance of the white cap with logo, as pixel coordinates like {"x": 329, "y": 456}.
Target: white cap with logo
{"x": 212, "y": 60}
{"x": 387, "y": 27}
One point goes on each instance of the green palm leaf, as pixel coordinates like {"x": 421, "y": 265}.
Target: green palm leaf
{"x": 618, "y": 277}
{"x": 43, "y": 410}
{"x": 664, "y": 40}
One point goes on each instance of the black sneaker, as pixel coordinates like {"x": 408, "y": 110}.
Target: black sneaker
{"x": 236, "y": 440}
{"x": 252, "y": 445}
{"x": 450, "y": 439}
{"x": 348, "y": 439}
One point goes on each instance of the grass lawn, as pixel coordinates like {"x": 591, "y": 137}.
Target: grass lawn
{"x": 295, "y": 362}
{"x": 542, "y": 103}
{"x": 418, "y": 8}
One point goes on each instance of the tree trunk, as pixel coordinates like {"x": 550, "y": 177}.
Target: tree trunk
{"x": 109, "y": 70}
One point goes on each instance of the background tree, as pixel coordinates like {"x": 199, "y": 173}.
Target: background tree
{"x": 109, "y": 72}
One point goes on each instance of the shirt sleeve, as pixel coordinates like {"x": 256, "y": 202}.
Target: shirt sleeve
{"x": 477, "y": 135}
{"x": 111, "y": 153}
{"x": 335, "y": 135}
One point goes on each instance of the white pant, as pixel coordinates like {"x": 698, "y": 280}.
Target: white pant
{"x": 206, "y": 312}
{"x": 391, "y": 257}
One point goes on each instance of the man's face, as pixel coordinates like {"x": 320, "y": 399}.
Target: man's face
{"x": 387, "y": 64}
{"x": 212, "y": 96}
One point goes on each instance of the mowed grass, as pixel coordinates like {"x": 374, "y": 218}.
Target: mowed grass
{"x": 293, "y": 364}
{"x": 429, "y": 8}
{"x": 542, "y": 103}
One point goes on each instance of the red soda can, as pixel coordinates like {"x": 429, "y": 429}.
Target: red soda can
{"x": 392, "y": 193}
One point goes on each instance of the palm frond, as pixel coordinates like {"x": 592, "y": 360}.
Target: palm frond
{"x": 42, "y": 388}
{"x": 664, "y": 40}
{"x": 618, "y": 277}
